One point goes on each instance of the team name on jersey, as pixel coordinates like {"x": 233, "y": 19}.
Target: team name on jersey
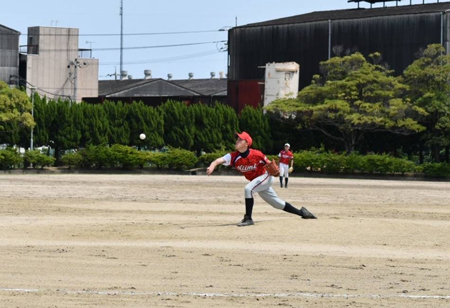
{"x": 243, "y": 168}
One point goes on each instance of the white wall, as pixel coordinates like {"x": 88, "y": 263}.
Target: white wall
{"x": 281, "y": 81}
{"x": 52, "y": 69}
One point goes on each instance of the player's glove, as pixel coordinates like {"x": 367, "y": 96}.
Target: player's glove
{"x": 272, "y": 168}
{"x": 291, "y": 169}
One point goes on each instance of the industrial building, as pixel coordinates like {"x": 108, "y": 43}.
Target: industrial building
{"x": 156, "y": 91}
{"x": 9, "y": 53}
{"x": 397, "y": 32}
{"x": 53, "y": 65}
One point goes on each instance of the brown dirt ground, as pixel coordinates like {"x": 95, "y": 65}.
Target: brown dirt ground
{"x": 78, "y": 240}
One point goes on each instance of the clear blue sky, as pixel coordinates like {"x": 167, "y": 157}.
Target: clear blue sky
{"x": 99, "y": 24}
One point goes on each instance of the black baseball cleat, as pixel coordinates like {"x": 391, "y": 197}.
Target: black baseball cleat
{"x": 245, "y": 222}
{"x": 307, "y": 214}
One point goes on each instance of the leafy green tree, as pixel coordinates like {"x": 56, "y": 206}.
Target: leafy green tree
{"x": 429, "y": 88}
{"x": 256, "y": 123}
{"x": 178, "y": 125}
{"x": 15, "y": 107}
{"x": 15, "y": 115}
{"x": 207, "y": 133}
{"x": 285, "y": 130}
{"x": 350, "y": 98}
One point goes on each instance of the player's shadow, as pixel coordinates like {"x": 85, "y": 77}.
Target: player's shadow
{"x": 221, "y": 225}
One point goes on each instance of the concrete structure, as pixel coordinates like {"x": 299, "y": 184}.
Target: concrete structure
{"x": 52, "y": 64}
{"x": 281, "y": 81}
{"x": 9, "y": 53}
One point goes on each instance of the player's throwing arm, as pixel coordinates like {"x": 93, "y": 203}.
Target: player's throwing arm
{"x": 214, "y": 164}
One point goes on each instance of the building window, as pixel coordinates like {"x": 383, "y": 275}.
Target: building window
{"x": 32, "y": 48}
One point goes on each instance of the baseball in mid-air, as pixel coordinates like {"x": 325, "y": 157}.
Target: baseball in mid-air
{"x": 142, "y": 136}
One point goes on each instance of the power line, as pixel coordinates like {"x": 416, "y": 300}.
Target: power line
{"x": 39, "y": 89}
{"x": 112, "y": 34}
{"x": 129, "y": 48}
{"x": 159, "y": 46}
{"x": 175, "y": 58}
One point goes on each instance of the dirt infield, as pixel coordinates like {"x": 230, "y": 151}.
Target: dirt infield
{"x": 171, "y": 241}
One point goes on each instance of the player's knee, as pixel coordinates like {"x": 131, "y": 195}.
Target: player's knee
{"x": 248, "y": 192}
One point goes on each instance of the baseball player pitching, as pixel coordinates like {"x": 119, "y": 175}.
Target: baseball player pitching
{"x": 286, "y": 158}
{"x": 254, "y": 165}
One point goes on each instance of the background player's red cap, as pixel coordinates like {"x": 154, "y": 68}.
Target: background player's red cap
{"x": 246, "y": 137}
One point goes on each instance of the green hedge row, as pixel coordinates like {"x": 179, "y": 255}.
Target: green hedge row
{"x": 305, "y": 161}
{"x": 10, "y": 159}
{"x": 332, "y": 163}
{"x": 353, "y": 163}
{"x": 120, "y": 156}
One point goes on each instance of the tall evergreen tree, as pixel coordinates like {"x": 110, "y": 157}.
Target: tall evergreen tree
{"x": 119, "y": 130}
{"x": 96, "y": 125}
{"x": 10, "y": 133}
{"x": 228, "y": 124}
{"x": 64, "y": 134}
{"x": 154, "y": 129}
{"x": 256, "y": 123}
{"x": 78, "y": 120}
{"x": 178, "y": 125}
{"x": 136, "y": 122}
{"x": 207, "y": 133}
{"x": 41, "y": 116}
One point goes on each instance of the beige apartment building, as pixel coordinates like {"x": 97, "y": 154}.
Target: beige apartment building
{"x": 53, "y": 64}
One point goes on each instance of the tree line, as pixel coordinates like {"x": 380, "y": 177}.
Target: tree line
{"x": 355, "y": 105}
{"x": 63, "y": 126}
{"x": 358, "y": 105}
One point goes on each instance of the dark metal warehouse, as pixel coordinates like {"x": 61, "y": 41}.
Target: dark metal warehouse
{"x": 9, "y": 53}
{"x": 398, "y": 32}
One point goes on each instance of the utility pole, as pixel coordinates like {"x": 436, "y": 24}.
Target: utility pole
{"x": 75, "y": 80}
{"x": 121, "y": 38}
{"x": 76, "y": 65}
{"x": 33, "y": 89}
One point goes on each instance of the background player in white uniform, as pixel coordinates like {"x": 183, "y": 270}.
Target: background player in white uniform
{"x": 286, "y": 158}
{"x": 250, "y": 163}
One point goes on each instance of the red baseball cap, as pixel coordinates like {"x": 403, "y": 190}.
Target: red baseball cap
{"x": 245, "y": 136}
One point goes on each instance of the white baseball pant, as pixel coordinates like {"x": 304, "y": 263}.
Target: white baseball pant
{"x": 263, "y": 186}
{"x": 284, "y": 170}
